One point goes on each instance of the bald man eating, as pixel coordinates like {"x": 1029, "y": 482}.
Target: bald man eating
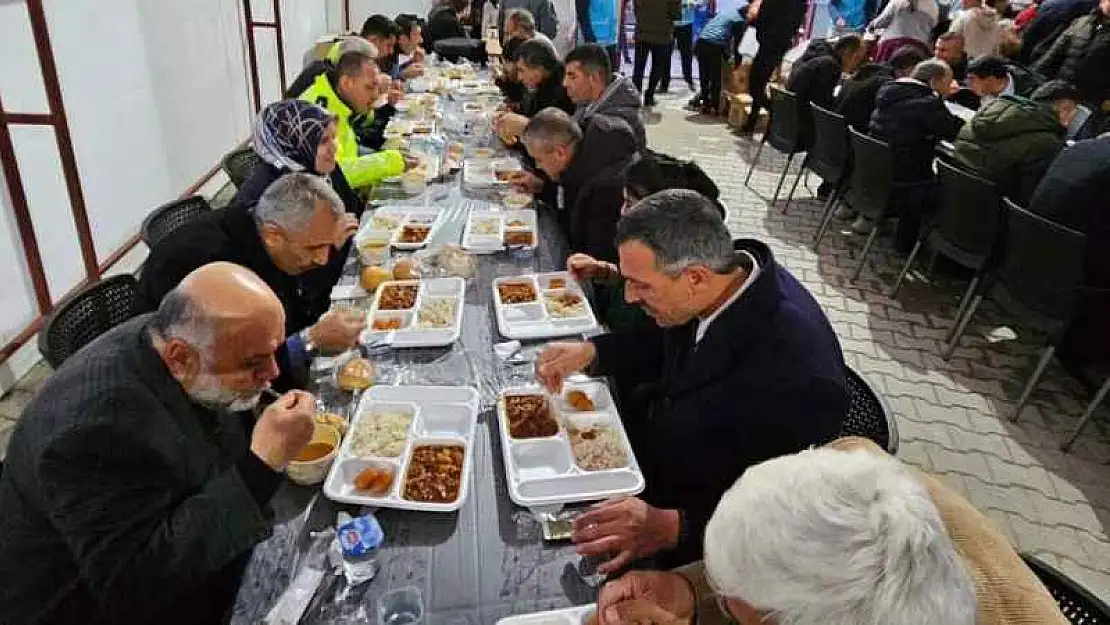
{"x": 131, "y": 493}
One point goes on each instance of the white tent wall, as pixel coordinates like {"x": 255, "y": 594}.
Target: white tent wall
{"x": 155, "y": 93}
{"x": 362, "y": 9}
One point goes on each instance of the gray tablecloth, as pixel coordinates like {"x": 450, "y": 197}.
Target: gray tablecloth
{"x": 488, "y": 560}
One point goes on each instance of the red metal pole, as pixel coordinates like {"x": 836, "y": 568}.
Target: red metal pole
{"x": 23, "y": 214}
{"x": 252, "y": 57}
{"x": 280, "y": 44}
{"x": 61, "y": 133}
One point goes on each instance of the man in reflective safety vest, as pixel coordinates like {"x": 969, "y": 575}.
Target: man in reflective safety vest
{"x": 351, "y": 89}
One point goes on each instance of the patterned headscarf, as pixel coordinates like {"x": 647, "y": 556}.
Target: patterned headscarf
{"x": 287, "y": 134}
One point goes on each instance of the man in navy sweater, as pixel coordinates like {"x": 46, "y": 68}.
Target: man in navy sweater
{"x": 746, "y": 365}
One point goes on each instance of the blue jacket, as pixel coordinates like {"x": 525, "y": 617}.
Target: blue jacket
{"x": 767, "y": 379}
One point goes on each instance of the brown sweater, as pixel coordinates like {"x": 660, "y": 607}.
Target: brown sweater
{"x": 1008, "y": 592}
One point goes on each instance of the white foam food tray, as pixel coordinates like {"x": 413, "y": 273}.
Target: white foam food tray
{"x": 482, "y": 172}
{"x": 390, "y": 221}
{"x": 440, "y": 415}
{"x": 538, "y": 318}
{"x": 567, "y": 616}
{"x": 419, "y": 325}
{"x": 544, "y": 472}
{"x": 485, "y": 231}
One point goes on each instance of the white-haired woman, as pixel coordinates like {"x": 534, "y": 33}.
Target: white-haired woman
{"x": 842, "y": 535}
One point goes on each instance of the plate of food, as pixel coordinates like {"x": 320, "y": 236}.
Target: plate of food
{"x": 492, "y": 231}
{"x": 408, "y": 447}
{"x": 540, "y": 306}
{"x": 493, "y": 172}
{"x": 417, "y": 313}
{"x": 580, "y": 615}
{"x": 567, "y": 448}
{"x": 417, "y": 228}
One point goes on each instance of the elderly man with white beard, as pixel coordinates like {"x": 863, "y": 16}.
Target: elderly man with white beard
{"x": 132, "y": 493}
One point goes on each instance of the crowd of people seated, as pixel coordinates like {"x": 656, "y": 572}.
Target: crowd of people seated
{"x": 733, "y": 383}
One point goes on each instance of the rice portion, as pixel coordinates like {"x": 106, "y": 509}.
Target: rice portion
{"x": 381, "y": 434}
{"x": 597, "y": 447}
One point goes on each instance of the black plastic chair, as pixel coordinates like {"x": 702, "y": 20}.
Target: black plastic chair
{"x": 238, "y": 164}
{"x": 870, "y": 187}
{"x": 1096, "y": 401}
{"x": 93, "y": 311}
{"x": 171, "y": 216}
{"x": 869, "y": 415}
{"x": 964, "y": 228}
{"x": 784, "y": 133}
{"x": 829, "y": 158}
{"x": 1079, "y": 606}
{"x": 1041, "y": 266}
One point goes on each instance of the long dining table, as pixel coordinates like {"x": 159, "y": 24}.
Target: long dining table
{"x": 477, "y": 565}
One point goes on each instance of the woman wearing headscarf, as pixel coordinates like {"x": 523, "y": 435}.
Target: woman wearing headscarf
{"x": 295, "y": 136}
{"x": 298, "y": 136}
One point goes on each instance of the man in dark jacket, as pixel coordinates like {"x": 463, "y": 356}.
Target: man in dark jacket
{"x": 814, "y": 80}
{"x": 856, "y": 100}
{"x": 290, "y": 231}
{"x": 588, "y": 163}
{"x": 542, "y": 11}
{"x": 445, "y": 22}
{"x": 595, "y": 90}
{"x": 747, "y": 367}
{"x": 1073, "y": 193}
{"x": 1081, "y": 56}
{"x": 1012, "y": 141}
{"x": 949, "y": 47}
{"x": 131, "y": 493}
{"x": 776, "y": 23}
{"x": 1052, "y": 19}
{"x": 654, "y": 29}
{"x": 912, "y": 119}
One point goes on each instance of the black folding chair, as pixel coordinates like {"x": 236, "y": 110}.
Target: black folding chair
{"x": 1079, "y": 606}
{"x": 93, "y": 311}
{"x": 784, "y": 133}
{"x": 171, "y": 216}
{"x": 238, "y": 164}
{"x": 829, "y": 158}
{"x": 868, "y": 415}
{"x": 964, "y": 227}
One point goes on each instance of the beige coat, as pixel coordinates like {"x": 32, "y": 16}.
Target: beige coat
{"x": 1008, "y": 592}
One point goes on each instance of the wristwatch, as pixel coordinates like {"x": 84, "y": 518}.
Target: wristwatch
{"x": 310, "y": 348}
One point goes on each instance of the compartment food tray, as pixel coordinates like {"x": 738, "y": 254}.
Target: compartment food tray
{"x": 403, "y": 215}
{"x": 567, "y": 616}
{"x": 481, "y": 173}
{"x": 495, "y": 242}
{"x": 412, "y": 333}
{"x": 441, "y": 415}
{"x": 543, "y": 472}
{"x": 534, "y": 320}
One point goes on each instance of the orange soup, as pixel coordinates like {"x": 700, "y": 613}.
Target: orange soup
{"x": 314, "y": 451}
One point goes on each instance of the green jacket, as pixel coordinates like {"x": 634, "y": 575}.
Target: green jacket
{"x": 360, "y": 171}
{"x": 1011, "y": 141}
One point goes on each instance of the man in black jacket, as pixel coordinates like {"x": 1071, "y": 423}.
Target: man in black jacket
{"x": 290, "y": 231}
{"x": 814, "y": 80}
{"x": 949, "y": 48}
{"x": 595, "y": 90}
{"x": 131, "y": 493}
{"x": 1081, "y": 56}
{"x": 747, "y": 367}
{"x": 445, "y": 22}
{"x": 911, "y": 117}
{"x": 776, "y": 24}
{"x": 588, "y": 163}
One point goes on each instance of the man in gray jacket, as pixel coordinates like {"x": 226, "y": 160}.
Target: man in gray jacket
{"x": 543, "y": 11}
{"x": 592, "y": 86}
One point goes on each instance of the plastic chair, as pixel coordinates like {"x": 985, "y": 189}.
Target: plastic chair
{"x": 171, "y": 216}
{"x": 964, "y": 227}
{"x": 1076, "y": 602}
{"x": 870, "y": 186}
{"x": 829, "y": 158}
{"x": 868, "y": 415}
{"x": 93, "y": 311}
{"x": 783, "y": 133}
{"x": 238, "y": 164}
{"x": 1096, "y": 401}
